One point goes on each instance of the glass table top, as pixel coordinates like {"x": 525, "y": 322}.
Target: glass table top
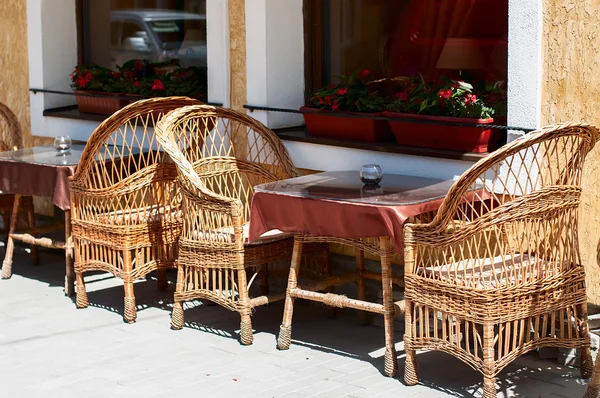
{"x": 47, "y": 155}
{"x": 393, "y": 190}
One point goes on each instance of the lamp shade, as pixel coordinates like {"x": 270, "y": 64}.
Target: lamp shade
{"x": 461, "y": 53}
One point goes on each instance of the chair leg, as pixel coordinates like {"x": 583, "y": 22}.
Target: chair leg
{"x": 391, "y": 364}
{"x": 410, "y": 367}
{"x": 593, "y": 390}
{"x": 82, "y": 299}
{"x": 34, "y": 256}
{"x": 130, "y": 312}
{"x": 10, "y": 243}
{"x": 246, "y": 335}
{"x": 489, "y": 380}
{"x": 587, "y": 365}
{"x": 177, "y": 317}
{"x": 285, "y": 331}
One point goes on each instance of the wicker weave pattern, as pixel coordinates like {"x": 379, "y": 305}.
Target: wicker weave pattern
{"x": 125, "y": 200}
{"x": 534, "y": 294}
{"x": 221, "y": 155}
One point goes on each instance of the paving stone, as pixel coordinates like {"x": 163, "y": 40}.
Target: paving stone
{"x": 50, "y": 348}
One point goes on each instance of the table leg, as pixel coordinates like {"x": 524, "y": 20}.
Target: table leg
{"x": 285, "y": 331}
{"x": 10, "y": 243}
{"x": 391, "y": 364}
{"x": 69, "y": 270}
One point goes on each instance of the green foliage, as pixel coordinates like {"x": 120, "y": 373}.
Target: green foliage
{"x": 140, "y": 78}
{"x": 352, "y": 94}
{"x": 449, "y": 98}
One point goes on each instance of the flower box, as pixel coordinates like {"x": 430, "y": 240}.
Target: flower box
{"x": 343, "y": 126}
{"x": 457, "y": 138}
{"x": 103, "y": 104}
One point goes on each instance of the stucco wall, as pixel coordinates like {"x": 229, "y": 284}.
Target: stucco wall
{"x": 571, "y": 92}
{"x": 14, "y": 64}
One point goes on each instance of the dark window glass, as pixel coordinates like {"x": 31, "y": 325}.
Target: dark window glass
{"x": 458, "y": 39}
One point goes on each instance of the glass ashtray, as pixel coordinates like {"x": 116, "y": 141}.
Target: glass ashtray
{"x": 371, "y": 174}
{"x": 62, "y": 143}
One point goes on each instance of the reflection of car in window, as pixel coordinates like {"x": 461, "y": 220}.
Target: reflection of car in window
{"x": 158, "y": 35}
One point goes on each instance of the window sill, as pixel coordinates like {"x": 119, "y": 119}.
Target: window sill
{"x": 299, "y": 134}
{"x": 72, "y": 112}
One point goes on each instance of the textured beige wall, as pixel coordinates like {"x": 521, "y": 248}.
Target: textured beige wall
{"x": 237, "y": 41}
{"x": 14, "y": 64}
{"x": 571, "y": 92}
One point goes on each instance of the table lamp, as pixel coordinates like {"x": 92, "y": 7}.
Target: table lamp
{"x": 461, "y": 54}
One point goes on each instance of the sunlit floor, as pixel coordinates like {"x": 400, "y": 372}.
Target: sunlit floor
{"x": 49, "y": 348}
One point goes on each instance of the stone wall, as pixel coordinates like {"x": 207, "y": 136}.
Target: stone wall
{"x": 571, "y": 92}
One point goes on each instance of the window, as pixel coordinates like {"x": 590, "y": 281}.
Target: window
{"x": 116, "y": 31}
{"x": 459, "y": 39}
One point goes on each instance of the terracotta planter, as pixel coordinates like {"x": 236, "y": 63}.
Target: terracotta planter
{"x": 104, "y": 104}
{"x": 456, "y": 138}
{"x": 336, "y": 125}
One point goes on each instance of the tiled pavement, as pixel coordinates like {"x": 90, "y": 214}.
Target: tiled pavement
{"x": 50, "y": 349}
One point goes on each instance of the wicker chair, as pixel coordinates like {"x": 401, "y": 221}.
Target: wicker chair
{"x": 236, "y": 152}
{"x": 10, "y": 140}
{"x": 497, "y": 272}
{"x": 124, "y": 201}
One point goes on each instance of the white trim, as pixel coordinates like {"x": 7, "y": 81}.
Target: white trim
{"x": 525, "y": 23}
{"x": 275, "y": 59}
{"x": 330, "y": 158}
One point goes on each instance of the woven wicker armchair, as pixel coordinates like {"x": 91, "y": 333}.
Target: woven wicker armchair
{"x": 124, "y": 201}
{"x": 10, "y": 140}
{"x": 236, "y": 153}
{"x": 497, "y": 272}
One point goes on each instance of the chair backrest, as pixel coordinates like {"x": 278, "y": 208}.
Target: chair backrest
{"x": 521, "y": 200}
{"x": 122, "y": 167}
{"x": 229, "y": 151}
{"x": 10, "y": 130}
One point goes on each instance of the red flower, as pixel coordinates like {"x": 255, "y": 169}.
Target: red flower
{"x": 364, "y": 73}
{"x": 334, "y": 106}
{"x": 403, "y": 96}
{"x": 136, "y": 83}
{"x": 445, "y": 94}
{"x": 456, "y": 85}
{"x": 419, "y": 100}
{"x": 332, "y": 85}
{"x": 116, "y": 75}
{"x": 129, "y": 75}
{"x": 81, "y": 81}
{"x": 139, "y": 65}
{"x": 157, "y": 85}
{"x": 470, "y": 99}
{"x": 320, "y": 101}
{"x": 328, "y": 100}
{"x": 342, "y": 91}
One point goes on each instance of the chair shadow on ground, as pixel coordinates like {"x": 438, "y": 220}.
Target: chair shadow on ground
{"x": 341, "y": 335}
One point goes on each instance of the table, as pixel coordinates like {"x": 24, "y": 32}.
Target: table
{"x": 337, "y": 207}
{"x": 40, "y": 171}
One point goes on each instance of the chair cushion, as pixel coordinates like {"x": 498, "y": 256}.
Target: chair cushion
{"x": 486, "y": 273}
{"x": 227, "y": 235}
